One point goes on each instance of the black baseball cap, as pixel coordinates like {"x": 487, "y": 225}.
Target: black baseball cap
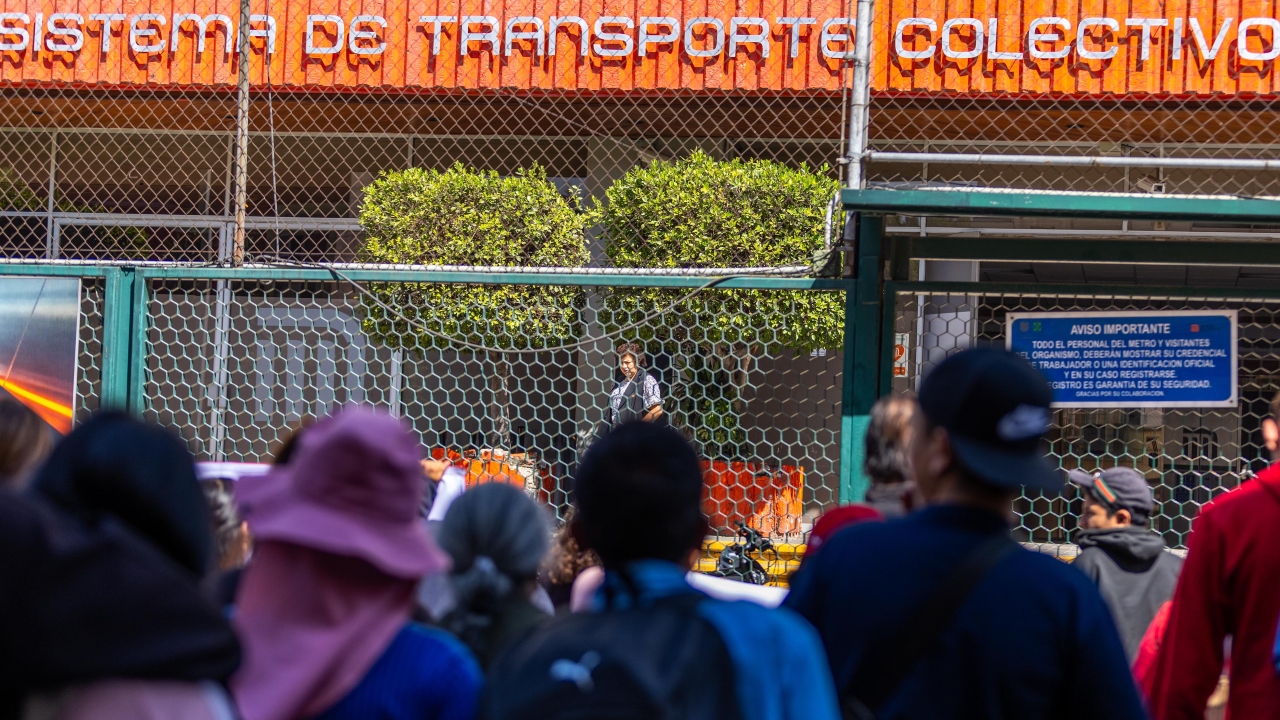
{"x": 1119, "y": 488}
{"x": 995, "y": 407}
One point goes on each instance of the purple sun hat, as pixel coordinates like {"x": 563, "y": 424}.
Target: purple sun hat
{"x": 352, "y": 488}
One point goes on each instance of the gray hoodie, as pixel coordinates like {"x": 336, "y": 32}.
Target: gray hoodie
{"x": 1134, "y": 574}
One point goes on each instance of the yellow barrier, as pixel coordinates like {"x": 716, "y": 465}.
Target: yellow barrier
{"x": 779, "y": 567}
{"x": 787, "y": 560}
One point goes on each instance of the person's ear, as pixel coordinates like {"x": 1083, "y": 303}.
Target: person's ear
{"x": 1124, "y": 517}
{"x": 1271, "y": 435}
{"x": 935, "y": 461}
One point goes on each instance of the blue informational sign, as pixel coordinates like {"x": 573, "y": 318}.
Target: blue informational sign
{"x": 1131, "y": 359}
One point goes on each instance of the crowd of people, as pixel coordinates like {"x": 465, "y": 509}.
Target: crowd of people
{"x": 356, "y": 580}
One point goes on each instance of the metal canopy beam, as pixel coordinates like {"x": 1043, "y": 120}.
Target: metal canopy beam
{"x": 1143, "y": 252}
{"x": 1101, "y": 206}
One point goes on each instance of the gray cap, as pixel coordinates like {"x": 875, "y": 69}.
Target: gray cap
{"x": 1119, "y": 488}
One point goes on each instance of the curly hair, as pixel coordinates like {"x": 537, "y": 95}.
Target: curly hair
{"x": 566, "y": 559}
{"x": 634, "y": 350}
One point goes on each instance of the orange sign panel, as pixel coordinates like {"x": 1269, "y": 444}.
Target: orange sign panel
{"x": 1036, "y": 47}
{"x": 531, "y": 45}
{"x": 1078, "y": 47}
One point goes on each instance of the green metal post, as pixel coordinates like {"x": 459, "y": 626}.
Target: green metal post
{"x": 850, "y": 453}
{"x": 124, "y": 323}
{"x": 862, "y": 352}
{"x": 138, "y": 307}
{"x": 897, "y": 255}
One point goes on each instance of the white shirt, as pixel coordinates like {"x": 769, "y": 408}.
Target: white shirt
{"x": 452, "y": 484}
{"x": 650, "y": 391}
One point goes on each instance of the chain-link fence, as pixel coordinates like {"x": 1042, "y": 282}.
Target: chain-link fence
{"x": 1189, "y": 455}
{"x": 127, "y": 135}
{"x": 118, "y": 130}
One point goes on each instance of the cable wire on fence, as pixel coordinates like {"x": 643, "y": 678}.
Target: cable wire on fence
{"x": 414, "y": 323}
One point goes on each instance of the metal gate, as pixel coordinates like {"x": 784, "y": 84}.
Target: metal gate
{"x": 940, "y": 295}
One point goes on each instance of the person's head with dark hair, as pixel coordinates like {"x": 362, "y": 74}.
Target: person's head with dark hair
{"x": 632, "y": 350}
{"x": 230, "y": 533}
{"x": 567, "y": 558}
{"x": 25, "y": 441}
{"x": 630, "y": 359}
{"x": 977, "y": 439}
{"x": 287, "y": 444}
{"x": 139, "y": 474}
{"x": 638, "y": 495}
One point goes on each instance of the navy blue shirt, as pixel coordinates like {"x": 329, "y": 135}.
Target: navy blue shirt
{"x": 1034, "y": 639}
{"x": 424, "y": 674}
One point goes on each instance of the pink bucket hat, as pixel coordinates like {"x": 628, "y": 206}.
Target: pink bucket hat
{"x": 352, "y": 488}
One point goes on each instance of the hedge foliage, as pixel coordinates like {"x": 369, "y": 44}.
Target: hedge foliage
{"x": 693, "y": 213}
{"x": 463, "y": 216}
{"x": 704, "y": 213}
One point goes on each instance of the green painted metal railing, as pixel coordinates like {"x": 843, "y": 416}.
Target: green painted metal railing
{"x": 126, "y": 298}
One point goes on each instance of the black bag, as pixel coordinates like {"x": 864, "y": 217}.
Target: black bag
{"x": 632, "y": 400}
{"x": 657, "y": 662}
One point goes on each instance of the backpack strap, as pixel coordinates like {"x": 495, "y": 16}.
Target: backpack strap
{"x": 887, "y": 662}
{"x": 686, "y": 600}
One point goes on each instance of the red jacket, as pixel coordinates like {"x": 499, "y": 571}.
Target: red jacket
{"x": 1230, "y": 585}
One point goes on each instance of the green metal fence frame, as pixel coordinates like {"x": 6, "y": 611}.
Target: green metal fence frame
{"x": 125, "y": 301}
{"x": 883, "y": 267}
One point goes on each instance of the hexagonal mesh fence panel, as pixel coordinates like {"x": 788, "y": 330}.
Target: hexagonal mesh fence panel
{"x": 1188, "y": 455}
{"x": 236, "y": 366}
{"x": 89, "y": 362}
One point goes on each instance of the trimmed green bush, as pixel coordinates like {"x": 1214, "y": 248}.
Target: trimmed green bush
{"x": 473, "y": 217}
{"x": 704, "y": 213}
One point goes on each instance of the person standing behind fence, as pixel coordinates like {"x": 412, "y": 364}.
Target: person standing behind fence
{"x": 892, "y": 488}
{"x": 1120, "y": 555}
{"x": 652, "y": 646}
{"x": 497, "y": 538}
{"x": 1230, "y": 585}
{"x": 324, "y": 606}
{"x": 638, "y": 396}
{"x": 940, "y": 614}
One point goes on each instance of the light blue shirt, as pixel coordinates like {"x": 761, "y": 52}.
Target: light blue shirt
{"x": 780, "y": 667}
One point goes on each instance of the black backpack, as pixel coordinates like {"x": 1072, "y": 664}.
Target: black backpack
{"x": 661, "y": 661}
